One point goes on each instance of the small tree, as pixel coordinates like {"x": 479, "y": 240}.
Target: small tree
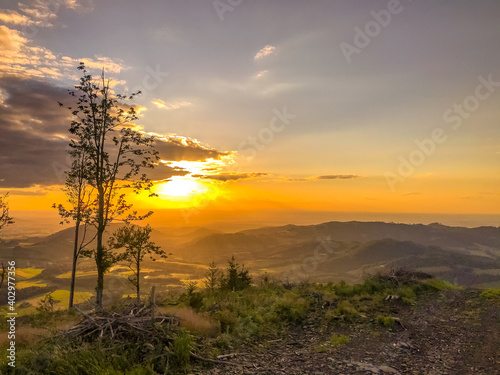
{"x": 4, "y": 273}
{"x": 81, "y": 202}
{"x": 5, "y": 219}
{"x": 236, "y": 278}
{"x": 137, "y": 243}
{"x": 103, "y": 128}
{"x": 212, "y": 277}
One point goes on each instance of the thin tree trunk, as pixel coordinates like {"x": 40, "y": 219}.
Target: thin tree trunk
{"x": 73, "y": 269}
{"x": 100, "y": 251}
{"x": 138, "y": 282}
{"x": 4, "y": 271}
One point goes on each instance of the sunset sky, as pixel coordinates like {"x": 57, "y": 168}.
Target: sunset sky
{"x": 292, "y": 105}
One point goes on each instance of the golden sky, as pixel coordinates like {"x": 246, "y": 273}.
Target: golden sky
{"x": 273, "y": 106}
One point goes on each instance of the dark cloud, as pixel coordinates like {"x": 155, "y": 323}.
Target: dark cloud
{"x": 176, "y": 148}
{"x": 33, "y": 137}
{"x": 23, "y": 192}
{"x": 230, "y": 176}
{"x": 32, "y": 124}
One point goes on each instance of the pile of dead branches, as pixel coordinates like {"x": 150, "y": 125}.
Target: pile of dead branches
{"x": 137, "y": 322}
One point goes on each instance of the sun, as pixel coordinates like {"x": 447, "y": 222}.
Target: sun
{"x": 180, "y": 192}
{"x": 180, "y": 187}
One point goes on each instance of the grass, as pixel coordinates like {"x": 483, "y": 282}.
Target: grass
{"x": 441, "y": 285}
{"x": 28, "y": 284}
{"x": 344, "y": 311}
{"x": 62, "y": 298}
{"x": 67, "y": 275}
{"x": 29, "y": 272}
{"x": 181, "y": 350}
{"x": 335, "y": 341}
{"x": 491, "y": 293}
{"x": 386, "y": 321}
{"x": 194, "y": 322}
{"x": 338, "y": 340}
{"x": 220, "y": 321}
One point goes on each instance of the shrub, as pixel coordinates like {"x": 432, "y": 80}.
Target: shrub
{"x": 237, "y": 277}
{"x": 491, "y": 293}
{"x": 338, "y": 340}
{"x": 436, "y": 284}
{"x": 407, "y": 294}
{"x": 334, "y": 342}
{"x": 46, "y": 304}
{"x": 342, "y": 289}
{"x": 227, "y": 319}
{"x": 194, "y": 322}
{"x": 386, "y": 321}
{"x": 291, "y": 308}
{"x": 346, "y": 311}
{"x": 181, "y": 350}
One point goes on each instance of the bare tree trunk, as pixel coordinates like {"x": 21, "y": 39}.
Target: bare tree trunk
{"x": 4, "y": 272}
{"x": 73, "y": 269}
{"x": 99, "y": 258}
{"x": 138, "y": 282}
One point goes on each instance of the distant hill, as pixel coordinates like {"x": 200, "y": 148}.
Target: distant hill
{"x": 346, "y": 250}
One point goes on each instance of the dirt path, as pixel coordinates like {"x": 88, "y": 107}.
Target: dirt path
{"x": 454, "y": 333}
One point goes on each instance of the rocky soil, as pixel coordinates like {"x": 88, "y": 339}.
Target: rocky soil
{"x": 454, "y": 332}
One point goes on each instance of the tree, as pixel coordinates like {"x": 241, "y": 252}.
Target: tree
{"x": 237, "y": 277}
{"x": 103, "y": 128}
{"x": 5, "y": 219}
{"x": 4, "y": 273}
{"x": 81, "y": 200}
{"x": 137, "y": 244}
{"x": 212, "y": 277}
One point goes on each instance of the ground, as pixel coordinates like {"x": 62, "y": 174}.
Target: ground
{"x": 456, "y": 333}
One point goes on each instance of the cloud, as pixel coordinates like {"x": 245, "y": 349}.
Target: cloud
{"x": 22, "y": 59}
{"x": 14, "y": 18}
{"x": 336, "y": 177}
{"x": 43, "y": 13}
{"x": 177, "y": 148}
{"x": 173, "y": 105}
{"x": 34, "y": 139}
{"x": 81, "y": 6}
{"x": 266, "y": 51}
{"x": 261, "y": 74}
{"x": 229, "y": 176}
{"x": 326, "y": 177}
{"x": 38, "y": 192}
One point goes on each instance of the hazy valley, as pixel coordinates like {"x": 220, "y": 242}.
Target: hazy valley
{"x": 330, "y": 251}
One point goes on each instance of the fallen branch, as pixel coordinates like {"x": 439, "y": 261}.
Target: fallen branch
{"x": 216, "y": 361}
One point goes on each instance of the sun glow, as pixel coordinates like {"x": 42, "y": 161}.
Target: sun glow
{"x": 180, "y": 187}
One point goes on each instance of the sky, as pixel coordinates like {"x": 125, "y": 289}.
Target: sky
{"x": 282, "y": 106}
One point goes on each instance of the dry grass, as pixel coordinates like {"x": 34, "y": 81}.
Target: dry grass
{"x": 26, "y": 335}
{"x": 194, "y": 322}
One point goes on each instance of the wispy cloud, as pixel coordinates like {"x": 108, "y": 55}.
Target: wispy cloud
{"x": 261, "y": 74}
{"x": 43, "y": 13}
{"x": 233, "y": 176}
{"x": 172, "y": 105}
{"x": 266, "y": 51}
{"x": 326, "y": 177}
{"x": 23, "y": 59}
{"x": 336, "y": 177}
{"x": 14, "y": 18}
